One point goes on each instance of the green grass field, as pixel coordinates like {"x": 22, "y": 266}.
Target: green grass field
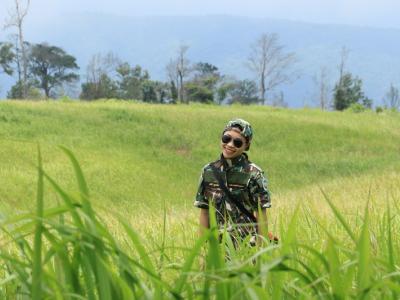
{"x": 142, "y": 162}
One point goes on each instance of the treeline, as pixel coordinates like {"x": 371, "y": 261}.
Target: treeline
{"x": 44, "y": 70}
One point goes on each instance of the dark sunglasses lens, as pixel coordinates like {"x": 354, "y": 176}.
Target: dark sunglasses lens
{"x": 237, "y": 143}
{"x": 226, "y": 139}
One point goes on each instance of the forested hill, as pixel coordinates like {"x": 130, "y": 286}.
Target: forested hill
{"x": 225, "y": 42}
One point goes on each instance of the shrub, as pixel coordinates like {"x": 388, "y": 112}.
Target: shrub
{"x": 357, "y": 108}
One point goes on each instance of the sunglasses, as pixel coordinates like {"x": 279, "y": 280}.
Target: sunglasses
{"x": 237, "y": 142}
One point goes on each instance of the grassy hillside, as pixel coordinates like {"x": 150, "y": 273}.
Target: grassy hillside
{"x": 142, "y": 163}
{"x": 136, "y": 153}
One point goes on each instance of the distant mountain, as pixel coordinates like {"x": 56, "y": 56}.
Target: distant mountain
{"x": 225, "y": 42}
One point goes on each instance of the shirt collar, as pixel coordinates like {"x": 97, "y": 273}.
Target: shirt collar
{"x": 228, "y": 163}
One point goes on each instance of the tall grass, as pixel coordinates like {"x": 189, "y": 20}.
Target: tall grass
{"x": 68, "y": 252}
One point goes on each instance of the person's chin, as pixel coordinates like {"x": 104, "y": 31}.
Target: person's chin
{"x": 229, "y": 155}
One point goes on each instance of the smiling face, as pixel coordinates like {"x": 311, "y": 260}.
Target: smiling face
{"x": 229, "y": 149}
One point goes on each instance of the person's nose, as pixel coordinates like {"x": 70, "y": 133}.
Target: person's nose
{"x": 231, "y": 143}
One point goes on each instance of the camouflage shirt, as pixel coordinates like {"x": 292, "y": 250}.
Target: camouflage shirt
{"x": 247, "y": 183}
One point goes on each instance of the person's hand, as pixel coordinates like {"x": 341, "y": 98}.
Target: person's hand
{"x": 273, "y": 238}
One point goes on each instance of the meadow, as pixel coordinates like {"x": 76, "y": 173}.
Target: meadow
{"x": 111, "y": 215}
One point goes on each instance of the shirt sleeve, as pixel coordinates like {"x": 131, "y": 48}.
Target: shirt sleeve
{"x": 201, "y": 201}
{"x": 260, "y": 191}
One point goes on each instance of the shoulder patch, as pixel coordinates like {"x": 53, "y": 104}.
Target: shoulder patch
{"x": 255, "y": 168}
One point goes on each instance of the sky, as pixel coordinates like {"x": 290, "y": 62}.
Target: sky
{"x": 371, "y": 13}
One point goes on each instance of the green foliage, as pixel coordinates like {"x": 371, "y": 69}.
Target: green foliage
{"x": 243, "y": 92}
{"x": 131, "y": 80}
{"x": 154, "y": 91}
{"x": 16, "y": 92}
{"x": 6, "y": 57}
{"x": 199, "y": 93}
{"x": 105, "y": 88}
{"x": 173, "y": 92}
{"x": 357, "y": 108}
{"x": 348, "y": 91}
{"x": 50, "y": 67}
{"x": 202, "y": 87}
{"x": 130, "y": 83}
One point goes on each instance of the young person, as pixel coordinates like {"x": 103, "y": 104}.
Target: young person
{"x": 235, "y": 186}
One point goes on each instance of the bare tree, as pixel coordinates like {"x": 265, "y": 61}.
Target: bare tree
{"x": 172, "y": 71}
{"x": 100, "y": 65}
{"x": 100, "y": 74}
{"x": 178, "y": 69}
{"x": 278, "y": 100}
{"x": 16, "y": 19}
{"x": 323, "y": 88}
{"x": 183, "y": 70}
{"x": 342, "y": 65}
{"x": 270, "y": 63}
{"x": 392, "y": 98}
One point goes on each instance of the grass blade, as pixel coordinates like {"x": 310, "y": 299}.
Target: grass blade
{"x": 37, "y": 248}
{"x": 83, "y": 188}
{"x": 364, "y": 254}
{"x": 339, "y": 217}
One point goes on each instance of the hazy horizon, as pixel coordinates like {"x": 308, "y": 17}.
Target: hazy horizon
{"x": 379, "y": 14}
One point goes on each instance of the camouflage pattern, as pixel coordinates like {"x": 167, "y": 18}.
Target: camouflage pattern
{"x": 247, "y": 131}
{"x": 246, "y": 181}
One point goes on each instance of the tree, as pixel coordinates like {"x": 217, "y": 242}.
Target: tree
{"x": 243, "y": 92}
{"x": 103, "y": 88}
{"x": 204, "y": 70}
{"x": 279, "y": 100}
{"x": 50, "y": 67}
{"x": 202, "y": 86}
{"x": 149, "y": 93}
{"x": 223, "y": 91}
{"x": 162, "y": 90}
{"x": 6, "y": 58}
{"x": 207, "y": 75}
{"x": 172, "y": 74}
{"x": 270, "y": 63}
{"x": 322, "y": 85}
{"x": 348, "y": 91}
{"x": 131, "y": 80}
{"x": 183, "y": 68}
{"x": 392, "y": 99}
{"x": 342, "y": 65}
{"x": 17, "y": 90}
{"x": 100, "y": 65}
{"x": 178, "y": 70}
{"x": 16, "y": 20}
{"x": 173, "y": 91}
{"x": 100, "y": 73}
{"x": 199, "y": 93}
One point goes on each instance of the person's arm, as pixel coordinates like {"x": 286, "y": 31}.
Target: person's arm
{"x": 202, "y": 203}
{"x": 204, "y": 220}
{"x": 261, "y": 193}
